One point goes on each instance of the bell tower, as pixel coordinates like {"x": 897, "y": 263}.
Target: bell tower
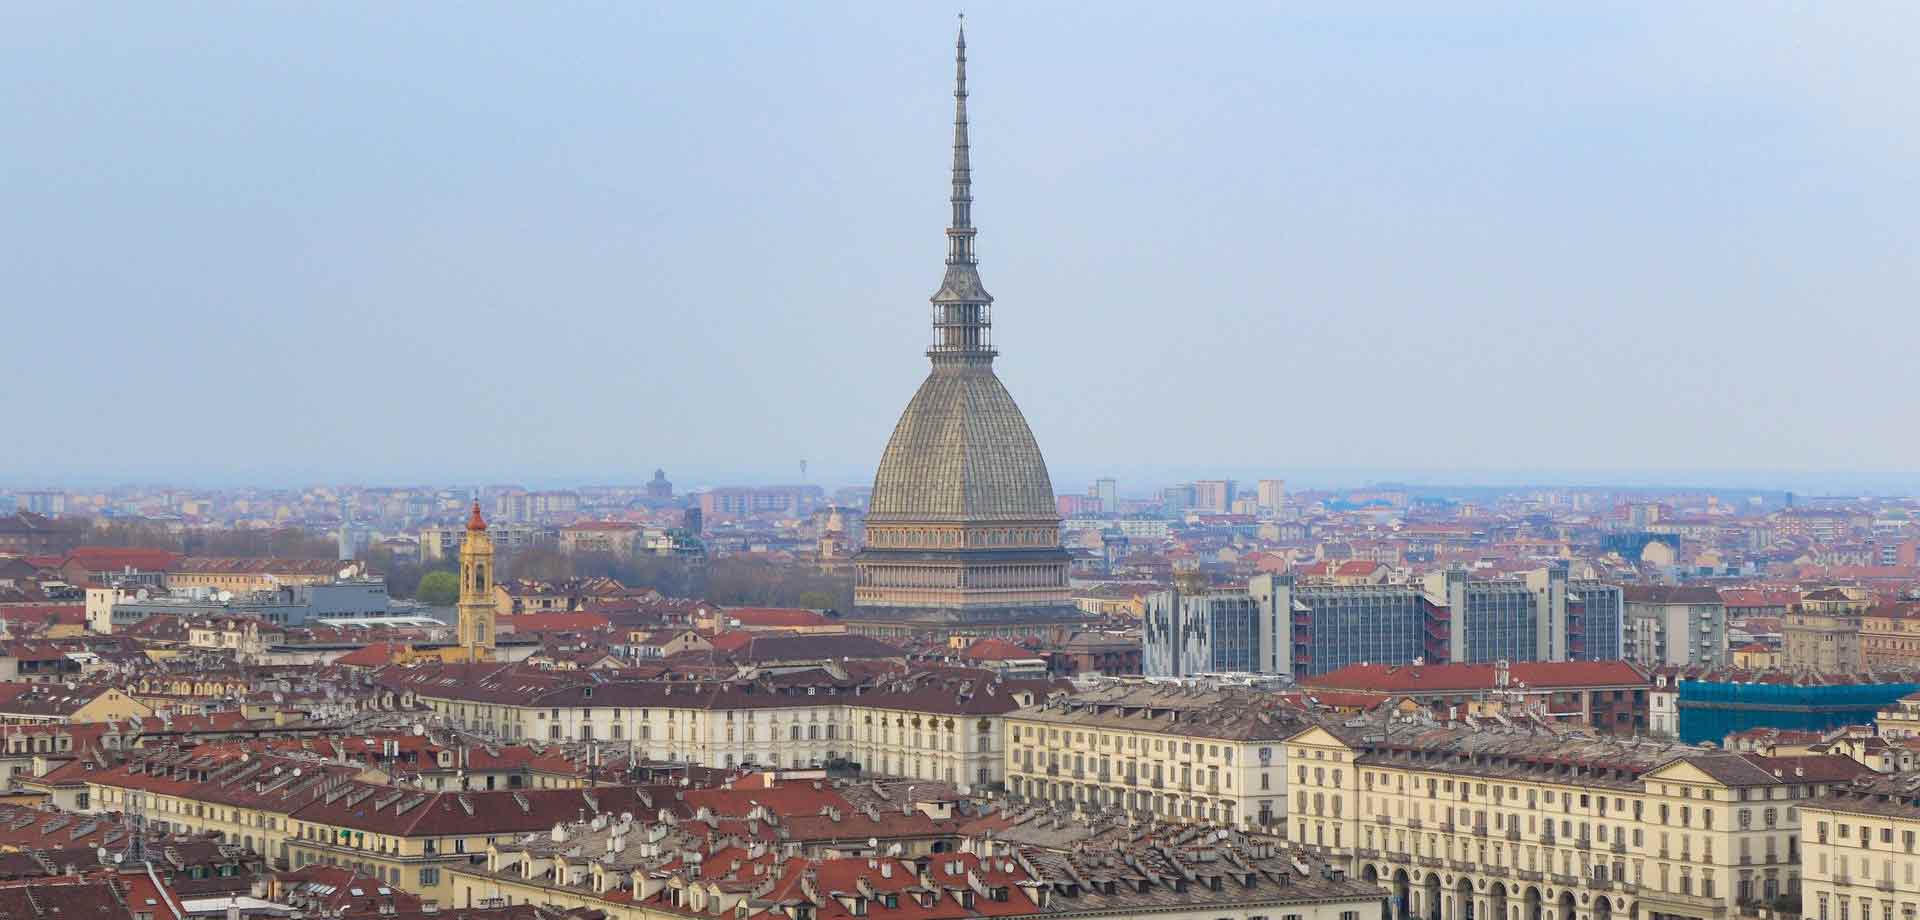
{"x": 476, "y": 590}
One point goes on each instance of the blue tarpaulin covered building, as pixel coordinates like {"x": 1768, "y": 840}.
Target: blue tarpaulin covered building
{"x": 1710, "y": 710}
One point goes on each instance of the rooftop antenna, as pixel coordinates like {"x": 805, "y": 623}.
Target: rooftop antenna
{"x": 803, "y": 471}
{"x": 133, "y": 821}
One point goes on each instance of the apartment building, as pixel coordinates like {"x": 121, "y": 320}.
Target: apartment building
{"x": 240, "y": 575}
{"x": 534, "y": 506}
{"x": 1675, "y": 625}
{"x": 615, "y": 538}
{"x": 444, "y": 541}
{"x": 302, "y": 811}
{"x": 935, "y": 725}
{"x": 612, "y": 867}
{"x": 1475, "y": 820}
{"x": 1860, "y": 844}
{"x": 1176, "y": 754}
{"x": 1822, "y": 632}
{"x": 1890, "y": 637}
{"x": 1899, "y": 719}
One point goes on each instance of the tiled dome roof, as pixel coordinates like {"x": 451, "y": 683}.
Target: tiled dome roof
{"x": 962, "y": 452}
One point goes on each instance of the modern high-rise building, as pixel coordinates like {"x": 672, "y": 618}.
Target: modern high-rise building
{"x": 50, "y": 502}
{"x": 1272, "y": 493}
{"x": 962, "y": 529}
{"x": 1214, "y": 495}
{"x": 1178, "y": 497}
{"x": 1192, "y": 630}
{"x": 1277, "y": 625}
{"x": 1107, "y": 490}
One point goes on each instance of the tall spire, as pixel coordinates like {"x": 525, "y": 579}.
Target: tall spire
{"x": 961, "y": 319}
{"x": 962, "y": 164}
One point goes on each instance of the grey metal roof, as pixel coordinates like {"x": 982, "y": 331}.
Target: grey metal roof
{"x": 962, "y": 452}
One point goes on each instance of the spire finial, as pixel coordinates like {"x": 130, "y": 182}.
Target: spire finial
{"x": 962, "y": 160}
{"x": 961, "y": 323}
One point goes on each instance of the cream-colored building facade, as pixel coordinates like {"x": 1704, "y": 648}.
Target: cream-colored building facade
{"x": 304, "y": 813}
{"x": 1172, "y": 753}
{"x": 926, "y": 727}
{"x": 1861, "y": 861}
{"x": 1900, "y": 719}
{"x": 1511, "y": 824}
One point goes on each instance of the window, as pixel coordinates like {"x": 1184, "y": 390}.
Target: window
{"x": 429, "y": 877}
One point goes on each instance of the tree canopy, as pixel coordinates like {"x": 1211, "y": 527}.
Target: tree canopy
{"x": 438, "y": 588}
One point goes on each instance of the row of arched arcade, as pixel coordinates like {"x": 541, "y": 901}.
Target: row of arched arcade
{"x": 1423, "y": 894}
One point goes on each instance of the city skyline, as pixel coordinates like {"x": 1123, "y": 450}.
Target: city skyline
{"x": 1464, "y": 478}
{"x": 1682, "y": 217}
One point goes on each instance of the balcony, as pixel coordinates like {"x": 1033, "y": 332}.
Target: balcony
{"x": 1546, "y": 837}
{"x": 1565, "y": 880}
{"x": 1689, "y": 899}
{"x": 1583, "y": 842}
{"x": 1842, "y": 881}
{"x": 1382, "y": 820}
{"x": 1885, "y": 884}
{"x": 1618, "y": 846}
{"x": 1446, "y": 827}
{"x": 1513, "y": 833}
{"x": 1479, "y": 830}
{"x": 1529, "y": 875}
{"x": 1431, "y": 862}
{"x": 1415, "y": 823}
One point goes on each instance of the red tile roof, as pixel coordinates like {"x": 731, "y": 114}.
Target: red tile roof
{"x": 996, "y": 650}
{"x": 554, "y": 622}
{"x": 65, "y": 614}
{"x": 118, "y": 558}
{"x": 379, "y": 654}
{"x": 1432, "y": 678}
{"x": 774, "y": 616}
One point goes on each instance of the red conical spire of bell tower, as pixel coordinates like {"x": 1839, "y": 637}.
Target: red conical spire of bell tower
{"x": 475, "y": 521}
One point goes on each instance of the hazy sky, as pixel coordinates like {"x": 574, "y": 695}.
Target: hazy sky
{"x": 557, "y": 243}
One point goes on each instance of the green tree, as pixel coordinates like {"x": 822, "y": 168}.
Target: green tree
{"x": 438, "y": 589}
